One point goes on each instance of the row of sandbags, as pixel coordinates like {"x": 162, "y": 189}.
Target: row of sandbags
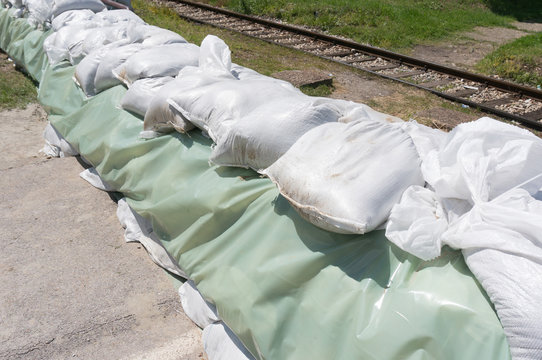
{"x": 41, "y": 12}
{"x": 254, "y": 120}
{"x": 342, "y": 165}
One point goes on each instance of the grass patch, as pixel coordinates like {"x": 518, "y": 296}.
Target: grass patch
{"x": 16, "y": 90}
{"x": 523, "y": 10}
{"x": 394, "y": 24}
{"x": 519, "y": 60}
{"x": 320, "y": 90}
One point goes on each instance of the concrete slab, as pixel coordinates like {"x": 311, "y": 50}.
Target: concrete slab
{"x": 70, "y": 287}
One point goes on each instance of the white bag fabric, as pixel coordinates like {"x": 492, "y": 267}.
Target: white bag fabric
{"x": 55, "y": 144}
{"x": 139, "y": 229}
{"x": 513, "y": 285}
{"x": 149, "y": 35}
{"x": 258, "y": 139}
{"x": 96, "y": 39}
{"x": 210, "y": 107}
{"x": 72, "y": 17}
{"x": 483, "y": 159}
{"x": 244, "y": 73}
{"x": 482, "y": 180}
{"x": 105, "y": 78}
{"x": 139, "y": 96}
{"x": 39, "y": 12}
{"x": 85, "y": 72}
{"x": 57, "y": 44}
{"x": 91, "y": 176}
{"x": 118, "y": 16}
{"x": 346, "y": 178}
{"x": 60, "y": 6}
{"x": 164, "y": 60}
{"x": 213, "y": 94}
{"x": 477, "y": 162}
{"x": 214, "y": 66}
{"x": 201, "y": 312}
{"x": 161, "y": 118}
{"x": 220, "y": 343}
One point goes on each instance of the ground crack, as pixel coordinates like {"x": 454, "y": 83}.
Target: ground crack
{"x": 25, "y": 350}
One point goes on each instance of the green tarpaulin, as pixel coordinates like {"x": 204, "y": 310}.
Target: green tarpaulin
{"x": 288, "y": 289}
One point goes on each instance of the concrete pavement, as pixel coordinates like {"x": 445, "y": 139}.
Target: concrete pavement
{"x": 70, "y": 287}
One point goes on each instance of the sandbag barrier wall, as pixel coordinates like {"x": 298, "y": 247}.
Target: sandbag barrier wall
{"x": 286, "y": 288}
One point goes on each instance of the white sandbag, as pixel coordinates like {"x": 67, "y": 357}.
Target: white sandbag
{"x": 244, "y": 73}
{"x": 72, "y": 17}
{"x": 214, "y": 66}
{"x": 55, "y": 144}
{"x": 501, "y": 241}
{"x": 210, "y": 107}
{"x": 258, "y": 139}
{"x": 220, "y": 343}
{"x": 139, "y": 229}
{"x": 483, "y": 159}
{"x": 57, "y": 45}
{"x": 141, "y": 93}
{"x": 214, "y": 56}
{"x": 425, "y": 138}
{"x": 201, "y": 312}
{"x": 150, "y": 35}
{"x": 511, "y": 279}
{"x": 346, "y": 178}
{"x": 95, "y": 39}
{"x": 85, "y": 72}
{"x": 118, "y": 16}
{"x": 213, "y": 94}
{"x": 164, "y": 60}
{"x": 91, "y": 176}
{"x": 39, "y": 12}
{"x": 105, "y": 78}
{"x": 161, "y": 117}
{"x": 60, "y": 6}
{"x": 354, "y": 112}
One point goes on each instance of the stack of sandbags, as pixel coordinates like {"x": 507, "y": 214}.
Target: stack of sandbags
{"x": 214, "y": 65}
{"x": 39, "y": 13}
{"x": 78, "y": 33}
{"x": 139, "y": 96}
{"x": 157, "y": 61}
{"x": 484, "y": 198}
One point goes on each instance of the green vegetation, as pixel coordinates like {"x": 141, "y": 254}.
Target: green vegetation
{"x": 320, "y": 90}
{"x": 16, "y": 90}
{"x": 520, "y": 60}
{"x": 523, "y": 10}
{"x": 393, "y": 24}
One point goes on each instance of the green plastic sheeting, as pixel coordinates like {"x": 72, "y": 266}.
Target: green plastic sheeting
{"x": 288, "y": 289}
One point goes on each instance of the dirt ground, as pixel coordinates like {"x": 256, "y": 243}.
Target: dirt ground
{"x": 470, "y": 47}
{"x": 70, "y": 286}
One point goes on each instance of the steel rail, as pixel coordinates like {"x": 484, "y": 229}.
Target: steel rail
{"x": 507, "y": 86}
{"x": 402, "y": 59}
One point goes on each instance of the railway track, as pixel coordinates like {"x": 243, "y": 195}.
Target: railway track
{"x": 519, "y": 103}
